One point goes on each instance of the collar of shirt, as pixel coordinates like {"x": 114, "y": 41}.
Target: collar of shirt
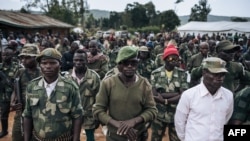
{"x": 50, "y": 87}
{"x": 204, "y": 91}
{"x": 73, "y": 75}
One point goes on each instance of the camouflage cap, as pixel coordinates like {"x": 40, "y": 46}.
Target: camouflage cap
{"x": 126, "y": 52}
{"x": 214, "y": 65}
{"x": 29, "y": 50}
{"x": 228, "y": 46}
{"x": 143, "y": 48}
{"x": 49, "y": 53}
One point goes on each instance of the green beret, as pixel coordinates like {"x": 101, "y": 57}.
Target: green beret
{"x": 49, "y": 53}
{"x": 126, "y": 52}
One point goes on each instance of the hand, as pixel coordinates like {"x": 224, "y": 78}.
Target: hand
{"x": 125, "y": 126}
{"x": 131, "y": 134}
{"x": 159, "y": 99}
{"x": 17, "y": 107}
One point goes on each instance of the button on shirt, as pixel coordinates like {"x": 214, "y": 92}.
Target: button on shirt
{"x": 201, "y": 116}
{"x": 50, "y": 87}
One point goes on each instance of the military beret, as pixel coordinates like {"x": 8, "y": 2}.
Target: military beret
{"x": 29, "y": 50}
{"x": 49, "y": 53}
{"x": 214, "y": 65}
{"x": 126, "y": 52}
{"x": 228, "y": 46}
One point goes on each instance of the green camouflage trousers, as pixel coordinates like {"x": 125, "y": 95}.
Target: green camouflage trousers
{"x": 16, "y": 130}
{"x": 158, "y": 130}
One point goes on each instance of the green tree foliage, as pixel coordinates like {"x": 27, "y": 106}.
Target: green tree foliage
{"x": 170, "y": 20}
{"x": 200, "y": 12}
{"x": 68, "y": 11}
{"x": 238, "y": 19}
{"x": 138, "y": 14}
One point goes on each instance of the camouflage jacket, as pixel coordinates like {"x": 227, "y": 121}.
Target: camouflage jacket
{"x": 25, "y": 78}
{"x": 163, "y": 84}
{"x": 145, "y": 68}
{"x": 7, "y": 88}
{"x": 88, "y": 87}
{"x": 52, "y": 116}
{"x": 242, "y": 106}
{"x": 112, "y": 54}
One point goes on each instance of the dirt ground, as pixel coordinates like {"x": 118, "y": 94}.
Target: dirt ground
{"x": 98, "y": 134}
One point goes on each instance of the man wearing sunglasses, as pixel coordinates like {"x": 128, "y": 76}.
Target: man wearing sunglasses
{"x": 168, "y": 82}
{"x": 125, "y": 101}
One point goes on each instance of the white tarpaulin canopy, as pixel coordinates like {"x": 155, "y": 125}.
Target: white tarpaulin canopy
{"x": 214, "y": 27}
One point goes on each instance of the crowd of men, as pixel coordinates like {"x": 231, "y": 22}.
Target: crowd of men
{"x": 188, "y": 85}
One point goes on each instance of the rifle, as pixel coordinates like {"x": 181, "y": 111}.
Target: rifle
{"x": 19, "y": 99}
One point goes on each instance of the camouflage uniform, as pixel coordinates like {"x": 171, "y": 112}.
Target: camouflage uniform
{"x": 187, "y": 56}
{"x": 165, "y": 117}
{"x": 159, "y": 61}
{"x": 145, "y": 67}
{"x": 112, "y": 72}
{"x": 242, "y": 106}
{"x": 9, "y": 71}
{"x": 112, "y": 56}
{"x": 52, "y": 116}
{"x": 101, "y": 65}
{"x": 88, "y": 88}
{"x": 25, "y": 77}
{"x": 6, "y": 91}
{"x": 195, "y": 61}
{"x": 235, "y": 73}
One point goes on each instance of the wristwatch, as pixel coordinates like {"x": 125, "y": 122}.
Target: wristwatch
{"x": 166, "y": 102}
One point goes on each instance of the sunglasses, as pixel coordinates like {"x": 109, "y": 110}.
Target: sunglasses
{"x": 130, "y": 62}
{"x": 172, "y": 59}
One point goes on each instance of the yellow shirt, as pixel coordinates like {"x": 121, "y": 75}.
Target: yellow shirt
{"x": 169, "y": 75}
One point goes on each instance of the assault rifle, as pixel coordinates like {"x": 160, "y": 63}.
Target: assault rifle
{"x": 19, "y": 99}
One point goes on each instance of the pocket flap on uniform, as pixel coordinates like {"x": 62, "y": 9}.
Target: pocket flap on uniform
{"x": 34, "y": 101}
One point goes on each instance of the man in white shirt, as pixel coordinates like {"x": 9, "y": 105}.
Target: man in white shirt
{"x": 203, "y": 110}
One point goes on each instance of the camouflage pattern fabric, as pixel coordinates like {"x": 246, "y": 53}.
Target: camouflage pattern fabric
{"x": 161, "y": 127}
{"x": 88, "y": 89}
{"x": 9, "y": 71}
{"x": 145, "y": 68}
{"x": 159, "y": 61}
{"x": 25, "y": 77}
{"x": 100, "y": 66}
{"x": 242, "y": 106}
{"x": 52, "y": 116}
{"x": 187, "y": 56}
{"x": 112, "y": 57}
{"x": 163, "y": 84}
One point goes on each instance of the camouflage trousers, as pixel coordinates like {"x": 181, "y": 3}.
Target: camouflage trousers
{"x": 158, "y": 130}
{"x": 16, "y": 130}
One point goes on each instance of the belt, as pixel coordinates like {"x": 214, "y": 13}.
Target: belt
{"x": 64, "y": 137}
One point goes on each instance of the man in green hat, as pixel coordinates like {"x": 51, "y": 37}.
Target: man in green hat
{"x": 236, "y": 73}
{"x": 203, "y": 110}
{"x": 53, "y": 109}
{"x": 23, "y": 76}
{"x": 125, "y": 101}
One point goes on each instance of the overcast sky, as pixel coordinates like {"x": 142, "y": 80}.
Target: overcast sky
{"x": 238, "y": 8}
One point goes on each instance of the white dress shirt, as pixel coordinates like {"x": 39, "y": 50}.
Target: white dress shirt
{"x": 201, "y": 116}
{"x": 49, "y": 87}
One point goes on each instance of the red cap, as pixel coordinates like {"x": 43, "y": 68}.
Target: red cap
{"x": 170, "y": 50}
